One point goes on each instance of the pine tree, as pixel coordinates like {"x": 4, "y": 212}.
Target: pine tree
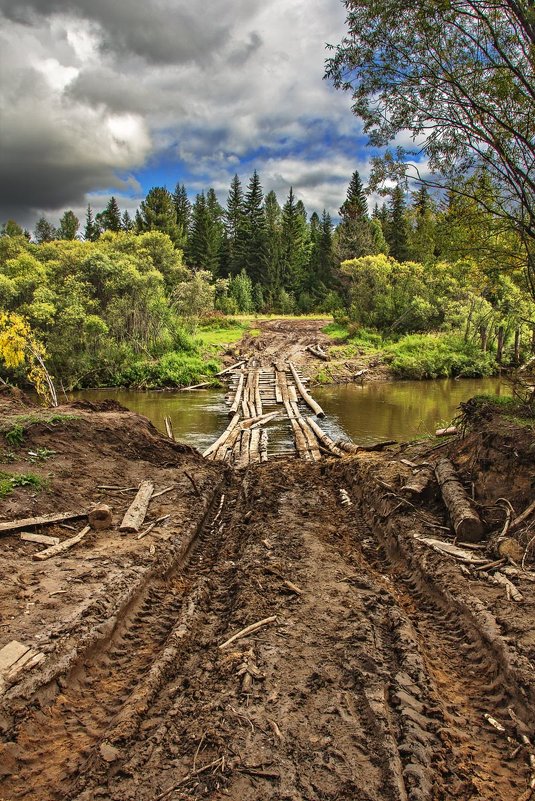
{"x": 397, "y": 229}
{"x": 91, "y": 230}
{"x": 255, "y": 255}
{"x": 235, "y": 228}
{"x": 110, "y": 218}
{"x": 294, "y": 245}
{"x": 157, "y": 213}
{"x": 422, "y": 230}
{"x": 127, "y": 223}
{"x": 204, "y": 240}
{"x": 273, "y": 217}
{"x": 68, "y": 226}
{"x": 353, "y": 237}
{"x": 44, "y": 231}
{"x": 183, "y": 213}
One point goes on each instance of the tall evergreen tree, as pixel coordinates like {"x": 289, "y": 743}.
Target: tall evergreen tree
{"x": 294, "y": 245}
{"x": 204, "y": 240}
{"x": 91, "y": 230}
{"x": 422, "y": 227}
{"x": 110, "y": 218}
{"x": 183, "y": 213}
{"x": 235, "y": 228}
{"x": 273, "y": 216}
{"x": 68, "y": 226}
{"x": 255, "y": 232}
{"x": 397, "y": 228}
{"x": 157, "y": 213}
{"x": 127, "y": 223}
{"x": 353, "y": 236}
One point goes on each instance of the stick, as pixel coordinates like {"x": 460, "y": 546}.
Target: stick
{"x": 516, "y": 522}
{"x": 162, "y": 492}
{"x": 63, "y": 546}
{"x": 465, "y": 520}
{"x": 135, "y": 514}
{"x": 195, "y": 386}
{"x": 169, "y": 427}
{"x": 152, "y": 525}
{"x": 293, "y": 587}
{"x": 192, "y": 482}
{"x": 190, "y": 775}
{"x": 248, "y": 630}
{"x": 39, "y": 538}
{"x": 231, "y": 368}
{"x": 44, "y": 520}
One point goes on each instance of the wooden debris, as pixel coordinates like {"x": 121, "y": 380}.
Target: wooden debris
{"x": 162, "y": 492}
{"x": 15, "y": 658}
{"x": 169, "y": 427}
{"x": 41, "y": 539}
{"x": 44, "y": 520}
{"x": 345, "y": 500}
{"x": 318, "y": 351}
{"x": 196, "y": 386}
{"x": 135, "y": 514}
{"x": 223, "y": 437}
{"x": 10, "y": 653}
{"x": 324, "y": 438}
{"x": 152, "y": 526}
{"x": 62, "y": 546}
{"x": 517, "y": 522}
{"x": 316, "y": 408}
{"x": 493, "y": 722}
{"x": 263, "y": 445}
{"x": 446, "y": 432}
{"x": 453, "y": 550}
{"x": 254, "y": 422}
{"x": 465, "y": 520}
{"x": 231, "y": 368}
{"x": 237, "y": 397}
{"x": 248, "y": 630}
{"x": 512, "y": 590}
{"x": 293, "y": 587}
{"x": 100, "y": 517}
{"x": 420, "y": 482}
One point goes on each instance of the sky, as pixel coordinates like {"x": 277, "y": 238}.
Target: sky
{"x": 102, "y": 97}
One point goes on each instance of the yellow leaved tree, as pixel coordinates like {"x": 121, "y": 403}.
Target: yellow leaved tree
{"x": 19, "y": 347}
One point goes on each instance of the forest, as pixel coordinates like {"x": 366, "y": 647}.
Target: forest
{"x": 435, "y": 277}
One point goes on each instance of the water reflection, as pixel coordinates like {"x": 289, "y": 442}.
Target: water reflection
{"x": 369, "y": 413}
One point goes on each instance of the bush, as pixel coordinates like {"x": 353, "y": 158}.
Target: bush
{"x": 434, "y": 356}
{"x": 175, "y": 369}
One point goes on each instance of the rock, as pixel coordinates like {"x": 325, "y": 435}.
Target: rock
{"x": 108, "y": 752}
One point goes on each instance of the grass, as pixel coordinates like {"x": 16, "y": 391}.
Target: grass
{"x": 9, "y": 482}
{"x": 15, "y": 429}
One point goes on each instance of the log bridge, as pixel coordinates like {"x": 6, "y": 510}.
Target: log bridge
{"x": 258, "y": 395}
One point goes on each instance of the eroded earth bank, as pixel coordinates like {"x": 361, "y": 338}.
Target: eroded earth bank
{"x": 387, "y": 670}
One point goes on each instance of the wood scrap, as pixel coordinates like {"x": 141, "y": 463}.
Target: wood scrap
{"x": 169, "y": 427}
{"x": 222, "y": 437}
{"x": 263, "y": 445}
{"x": 100, "y": 517}
{"x": 193, "y": 483}
{"x": 452, "y": 550}
{"x": 10, "y": 653}
{"x": 293, "y": 587}
{"x": 196, "y": 386}
{"x": 248, "y": 630}
{"x": 135, "y": 514}
{"x": 512, "y": 590}
{"x": 43, "y": 520}
{"x": 62, "y": 546}
{"x": 446, "y": 432}
{"x": 231, "y": 368}
{"x": 517, "y": 522}
{"x": 419, "y": 483}
{"x": 260, "y": 419}
{"x": 162, "y": 492}
{"x": 41, "y": 539}
{"x": 152, "y": 526}
{"x": 465, "y": 520}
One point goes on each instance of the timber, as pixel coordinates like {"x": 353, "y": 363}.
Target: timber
{"x": 310, "y": 440}
{"x": 231, "y": 368}
{"x": 40, "y": 539}
{"x": 262, "y": 447}
{"x": 135, "y": 514}
{"x": 237, "y": 397}
{"x": 62, "y": 546}
{"x": 465, "y": 520}
{"x": 324, "y": 438}
{"x": 219, "y": 441}
{"x": 420, "y": 482}
{"x": 316, "y": 408}
{"x": 254, "y": 422}
{"x": 44, "y": 520}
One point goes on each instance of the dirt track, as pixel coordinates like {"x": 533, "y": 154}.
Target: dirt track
{"x": 371, "y": 684}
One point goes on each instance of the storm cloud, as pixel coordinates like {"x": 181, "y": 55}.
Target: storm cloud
{"x": 95, "y": 95}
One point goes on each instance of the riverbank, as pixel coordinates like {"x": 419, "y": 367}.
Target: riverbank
{"x": 373, "y": 667}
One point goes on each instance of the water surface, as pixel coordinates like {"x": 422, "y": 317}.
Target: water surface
{"x": 366, "y": 413}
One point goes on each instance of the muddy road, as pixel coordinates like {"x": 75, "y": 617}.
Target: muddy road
{"x": 382, "y": 669}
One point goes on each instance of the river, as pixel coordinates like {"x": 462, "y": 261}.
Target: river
{"x": 367, "y": 413}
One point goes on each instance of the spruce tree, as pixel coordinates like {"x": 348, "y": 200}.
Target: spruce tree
{"x": 273, "y": 216}
{"x": 354, "y": 237}
{"x": 255, "y": 255}
{"x": 183, "y": 213}
{"x": 204, "y": 239}
{"x": 235, "y": 228}
{"x": 423, "y": 224}
{"x": 110, "y": 218}
{"x": 44, "y": 231}
{"x": 91, "y": 230}
{"x": 397, "y": 229}
{"x": 127, "y": 223}
{"x": 294, "y": 251}
{"x": 157, "y": 213}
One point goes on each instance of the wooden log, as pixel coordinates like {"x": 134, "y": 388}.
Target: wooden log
{"x": 310, "y": 440}
{"x": 292, "y": 393}
{"x": 324, "y": 438}
{"x": 100, "y": 517}
{"x": 446, "y": 432}
{"x": 41, "y": 539}
{"x": 254, "y": 446}
{"x": 465, "y": 520}
{"x": 316, "y": 408}
{"x": 44, "y": 520}
{"x": 258, "y": 398}
{"x": 419, "y": 483}
{"x": 220, "y": 440}
{"x": 244, "y": 456}
{"x": 248, "y": 630}
{"x": 263, "y": 445}
{"x": 169, "y": 428}
{"x": 350, "y": 447}
{"x": 231, "y": 368}
{"x": 254, "y": 422}
{"x": 301, "y": 444}
{"x": 62, "y": 546}
{"x": 225, "y": 450}
{"x": 195, "y": 386}
{"x": 318, "y": 353}
{"x": 237, "y": 397}
{"x": 135, "y": 514}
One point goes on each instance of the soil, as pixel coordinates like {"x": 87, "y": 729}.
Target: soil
{"x": 372, "y": 675}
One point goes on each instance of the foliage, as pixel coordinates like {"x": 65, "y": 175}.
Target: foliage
{"x": 438, "y": 356}
{"x": 9, "y": 482}
{"x": 20, "y": 348}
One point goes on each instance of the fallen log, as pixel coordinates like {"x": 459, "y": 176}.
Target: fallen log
{"x": 135, "y": 514}
{"x": 319, "y": 354}
{"x": 324, "y": 438}
{"x": 100, "y": 517}
{"x": 169, "y": 428}
{"x": 254, "y": 447}
{"x": 231, "y": 368}
{"x": 237, "y": 397}
{"x": 41, "y": 539}
{"x": 446, "y": 432}
{"x": 465, "y": 520}
{"x": 310, "y": 440}
{"x": 452, "y": 550}
{"x": 221, "y": 439}
{"x": 350, "y": 447}
{"x": 316, "y": 408}
{"x": 228, "y": 445}
{"x": 44, "y": 520}
{"x": 196, "y": 386}
{"x": 420, "y": 482}
{"x": 62, "y": 546}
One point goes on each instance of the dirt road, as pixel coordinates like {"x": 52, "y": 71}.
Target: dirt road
{"x": 385, "y": 671}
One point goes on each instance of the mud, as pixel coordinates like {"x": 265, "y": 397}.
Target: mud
{"x": 372, "y": 683}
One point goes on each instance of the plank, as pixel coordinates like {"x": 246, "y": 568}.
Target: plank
{"x": 43, "y": 520}
{"x": 63, "y": 546}
{"x": 11, "y": 653}
{"x": 42, "y": 539}
{"x": 135, "y": 514}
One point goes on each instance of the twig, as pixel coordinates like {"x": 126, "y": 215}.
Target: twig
{"x": 248, "y": 630}
{"x": 191, "y": 774}
{"x": 152, "y": 525}
{"x": 525, "y": 514}
{"x": 192, "y": 481}
{"x": 197, "y": 751}
{"x": 489, "y": 565}
{"x": 161, "y": 492}
{"x": 528, "y": 546}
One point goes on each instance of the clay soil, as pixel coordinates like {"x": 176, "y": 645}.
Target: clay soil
{"x": 370, "y": 682}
